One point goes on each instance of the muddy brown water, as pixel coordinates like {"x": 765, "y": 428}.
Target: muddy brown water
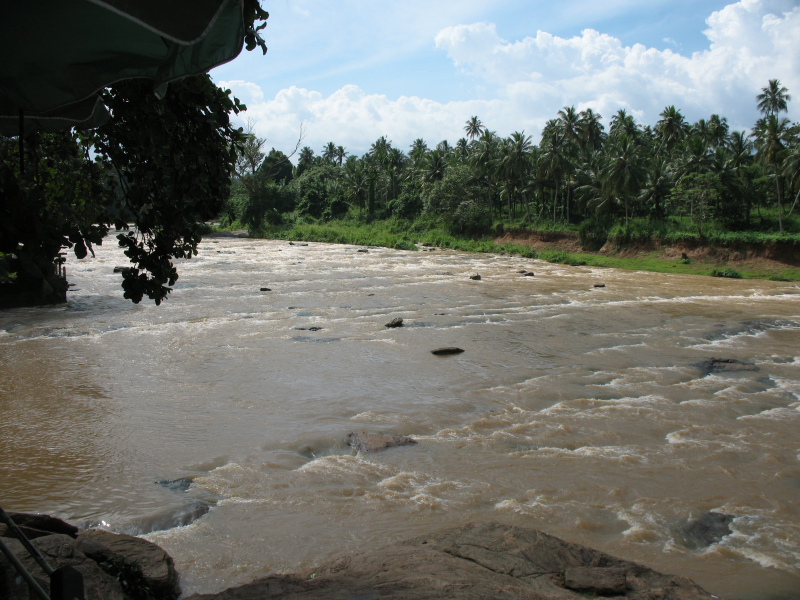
{"x": 574, "y": 409}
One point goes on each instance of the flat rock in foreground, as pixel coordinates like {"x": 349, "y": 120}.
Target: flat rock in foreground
{"x": 477, "y": 561}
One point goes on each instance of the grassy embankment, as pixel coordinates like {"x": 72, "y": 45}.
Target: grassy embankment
{"x": 666, "y": 248}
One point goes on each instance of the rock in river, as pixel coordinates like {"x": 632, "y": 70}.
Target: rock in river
{"x": 709, "y": 528}
{"x": 396, "y": 322}
{"x": 724, "y": 365}
{"x": 447, "y": 350}
{"x": 375, "y": 442}
{"x": 486, "y": 560}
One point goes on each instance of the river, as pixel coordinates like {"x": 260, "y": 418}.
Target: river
{"x": 574, "y": 409}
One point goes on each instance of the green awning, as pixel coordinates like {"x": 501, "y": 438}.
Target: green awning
{"x": 58, "y": 54}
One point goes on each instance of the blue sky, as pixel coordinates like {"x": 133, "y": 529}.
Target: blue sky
{"x": 354, "y": 70}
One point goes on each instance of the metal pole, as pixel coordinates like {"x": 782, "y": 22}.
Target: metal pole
{"x": 34, "y": 552}
{"x": 21, "y": 142}
{"x": 32, "y": 583}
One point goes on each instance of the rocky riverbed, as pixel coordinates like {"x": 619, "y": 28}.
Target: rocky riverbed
{"x": 488, "y": 560}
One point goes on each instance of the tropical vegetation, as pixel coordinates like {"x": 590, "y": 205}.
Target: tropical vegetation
{"x": 699, "y": 182}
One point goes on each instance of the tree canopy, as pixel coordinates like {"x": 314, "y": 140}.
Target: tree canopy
{"x": 155, "y": 171}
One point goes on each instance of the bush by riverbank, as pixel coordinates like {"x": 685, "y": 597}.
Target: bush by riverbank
{"x": 748, "y": 254}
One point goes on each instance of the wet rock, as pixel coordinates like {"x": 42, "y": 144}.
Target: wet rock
{"x": 313, "y": 328}
{"x": 724, "y": 365}
{"x": 488, "y": 560}
{"x": 176, "y": 485}
{"x": 447, "y": 350}
{"x": 599, "y": 285}
{"x": 36, "y": 525}
{"x": 596, "y": 580}
{"x": 59, "y": 551}
{"x": 375, "y": 442}
{"x": 709, "y": 528}
{"x": 124, "y": 269}
{"x": 265, "y": 289}
{"x": 530, "y": 274}
{"x": 396, "y": 322}
{"x": 362, "y": 250}
{"x": 475, "y": 277}
{"x": 154, "y": 564}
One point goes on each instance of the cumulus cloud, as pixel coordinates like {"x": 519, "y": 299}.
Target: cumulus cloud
{"x": 750, "y": 42}
{"x": 524, "y": 83}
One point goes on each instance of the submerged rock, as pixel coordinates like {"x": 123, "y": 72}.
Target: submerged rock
{"x": 709, "y": 528}
{"x": 375, "y": 442}
{"x": 176, "y": 485}
{"x": 475, "y": 277}
{"x": 724, "y": 365}
{"x": 489, "y": 560}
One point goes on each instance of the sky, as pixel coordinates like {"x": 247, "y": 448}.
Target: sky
{"x": 352, "y": 71}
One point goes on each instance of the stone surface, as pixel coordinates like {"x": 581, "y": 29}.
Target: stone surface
{"x": 475, "y": 277}
{"x": 36, "y": 525}
{"x": 476, "y": 561}
{"x": 154, "y": 563}
{"x": 596, "y": 580}
{"x": 396, "y": 322}
{"x": 58, "y": 550}
{"x": 375, "y": 442}
{"x": 724, "y": 365}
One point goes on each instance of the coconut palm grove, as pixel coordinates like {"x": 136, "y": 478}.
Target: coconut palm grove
{"x": 626, "y": 181}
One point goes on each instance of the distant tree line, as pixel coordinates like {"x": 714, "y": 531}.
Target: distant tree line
{"x": 579, "y": 173}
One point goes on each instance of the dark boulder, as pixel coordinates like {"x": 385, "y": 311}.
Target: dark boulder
{"x": 375, "y": 442}
{"x": 599, "y": 285}
{"x": 723, "y": 365}
{"x": 264, "y": 289}
{"x": 709, "y": 528}
{"x": 447, "y": 350}
{"x": 154, "y": 564}
{"x": 475, "y": 277}
{"x": 396, "y": 322}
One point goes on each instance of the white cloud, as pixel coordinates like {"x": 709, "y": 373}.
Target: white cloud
{"x": 524, "y": 83}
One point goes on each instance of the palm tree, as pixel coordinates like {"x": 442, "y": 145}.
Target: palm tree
{"x": 773, "y": 99}
{"x": 623, "y": 173}
{"x": 590, "y": 130}
{"x": 657, "y": 185}
{"x": 514, "y": 165}
{"x": 623, "y": 123}
{"x": 341, "y": 154}
{"x": 671, "y": 128}
{"x": 304, "y": 160}
{"x": 418, "y": 151}
{"x": 474, "y": 128}
{"x": 771, "y": 133}
{"x": 433, "y": 166}
{"x": 555, "y": 162}
{"x": 329, "y": 152}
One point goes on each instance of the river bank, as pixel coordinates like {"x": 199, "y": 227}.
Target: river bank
{"x": 459, "y": 563}
{"x": 778, "y": 261}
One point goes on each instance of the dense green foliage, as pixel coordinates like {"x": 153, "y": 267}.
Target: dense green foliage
{"x": 156, "y": 171}
{"x": 692, "y": 182}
